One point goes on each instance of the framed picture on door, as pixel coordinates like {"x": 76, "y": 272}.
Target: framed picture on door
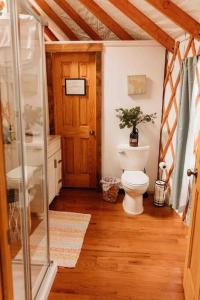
{"x": 75, "y": 86}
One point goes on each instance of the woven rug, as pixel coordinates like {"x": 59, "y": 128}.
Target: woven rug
{"x": 67, "y": 232}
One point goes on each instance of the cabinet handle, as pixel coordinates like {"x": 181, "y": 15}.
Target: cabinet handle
{"x": 55, "y": 163}
{"x": 59, "y": 162}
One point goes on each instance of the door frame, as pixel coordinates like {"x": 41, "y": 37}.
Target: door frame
{"x": 69, "y": 47}
{"x": 5, "y": 255}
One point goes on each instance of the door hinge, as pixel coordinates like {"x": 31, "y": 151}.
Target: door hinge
{"x": 55, "y": 163}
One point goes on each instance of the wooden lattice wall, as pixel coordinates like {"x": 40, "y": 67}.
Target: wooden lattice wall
{"x": 186, "y": 48}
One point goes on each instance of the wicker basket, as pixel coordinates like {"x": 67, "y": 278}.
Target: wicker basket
{"x": 110, "y": 187}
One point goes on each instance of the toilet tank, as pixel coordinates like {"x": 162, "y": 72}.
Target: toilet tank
{"x": 133, "y": 158}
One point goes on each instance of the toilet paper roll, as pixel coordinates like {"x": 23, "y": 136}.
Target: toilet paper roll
{"x": 162, "y": 165}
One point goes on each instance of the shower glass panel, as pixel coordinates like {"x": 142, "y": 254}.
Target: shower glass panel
{"x": 23, "y": 115}
{"x": 33, "y": 125}
{"x": 12, "y": 150}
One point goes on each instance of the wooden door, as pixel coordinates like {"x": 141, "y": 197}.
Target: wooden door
{"x": 6, "y": 288}
{"x": 75, "y": 118}
{"x": 192, "y": 265}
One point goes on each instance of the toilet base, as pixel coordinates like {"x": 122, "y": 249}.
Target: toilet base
{"x": 133, "y": 206}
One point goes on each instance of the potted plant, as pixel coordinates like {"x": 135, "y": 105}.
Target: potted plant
{"x": 131, "y": 118}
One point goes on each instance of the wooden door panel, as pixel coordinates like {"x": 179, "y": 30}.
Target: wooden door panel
{"x": 68, "y": 155}
{"x": 83, "y": 155}
{"x": 83, "y": 180}
{"x": 75, "y": 118}
{"x": 83, "y": 111}
{"x": 192, "y": 266}
{"x": 195, "y": 244}
{"x": 76, "y": 161}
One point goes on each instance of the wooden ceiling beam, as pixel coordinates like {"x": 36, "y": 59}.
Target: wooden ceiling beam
{"x": 75, "y": 47}
{"x": 78, "y": 19}
{"x": 145, "y": 23}
{"x": 50, "y": 34}
{"x": 57, "y": 20}
{"x": 47, "y": 30}
{"x": 96, "y": 10}
{"x": 178, "y": 16}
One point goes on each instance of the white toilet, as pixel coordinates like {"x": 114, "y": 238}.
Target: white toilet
{"x": 134, "y": 181}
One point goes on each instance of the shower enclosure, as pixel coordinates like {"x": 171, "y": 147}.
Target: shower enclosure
{"x": 23, "y": 100}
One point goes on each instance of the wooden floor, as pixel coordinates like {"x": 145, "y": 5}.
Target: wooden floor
{"x": 123, "y": 258}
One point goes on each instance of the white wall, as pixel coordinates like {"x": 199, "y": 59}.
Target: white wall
{"x": 120, "y": 60}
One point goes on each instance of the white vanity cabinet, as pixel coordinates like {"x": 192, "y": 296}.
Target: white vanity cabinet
{"x": 54, "y": 166}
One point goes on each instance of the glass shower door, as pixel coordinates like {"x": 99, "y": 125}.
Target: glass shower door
{"x": 9, "y": 96}
{"x": 23, "y": 110}
{"x": 31, "y": 43}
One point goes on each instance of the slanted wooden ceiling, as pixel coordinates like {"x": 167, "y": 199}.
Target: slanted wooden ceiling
{"x": 162, "y": 20}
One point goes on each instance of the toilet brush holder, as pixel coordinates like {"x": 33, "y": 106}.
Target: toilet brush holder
{"x": 160, "y": 187}
{"x": 159, "y": 196}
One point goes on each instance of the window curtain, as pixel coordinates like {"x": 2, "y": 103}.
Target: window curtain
{"x": 184, "y": 134}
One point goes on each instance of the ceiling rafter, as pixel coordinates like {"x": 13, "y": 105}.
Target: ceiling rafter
{"x": 57, "y": 20}
{"x": 178, "y": 16}
{"x": 47, "y": 30}
{"x": 145, "y": 23}
{"x": 96, "y": 10}
{"x": 50, "y": 34}
{"x": 78, "y": 19}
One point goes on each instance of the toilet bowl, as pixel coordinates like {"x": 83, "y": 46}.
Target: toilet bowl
{"x": 135, "y": 184}
{"x": 134, "y": 181}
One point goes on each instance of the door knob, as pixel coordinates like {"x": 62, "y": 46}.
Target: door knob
{"x": 192, "y": 172}
{"x": 92, "y": 132}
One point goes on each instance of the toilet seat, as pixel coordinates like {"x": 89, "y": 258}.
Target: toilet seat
{"x": 134, "y": 178}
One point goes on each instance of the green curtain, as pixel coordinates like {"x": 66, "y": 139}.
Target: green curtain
{"x": 187, "y": 80}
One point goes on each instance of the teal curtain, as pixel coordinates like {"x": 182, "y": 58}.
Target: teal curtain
{"x": 187, "y": 80}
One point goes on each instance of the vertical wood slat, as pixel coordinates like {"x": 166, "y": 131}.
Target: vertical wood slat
{"x": 5, "y": 255}
{"x": 50, "y": 92}
{"x": 98, "y": 113}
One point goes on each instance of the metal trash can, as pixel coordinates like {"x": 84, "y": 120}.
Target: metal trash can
{"x": 110, "y": 188}
{"x": 159, "y": 196}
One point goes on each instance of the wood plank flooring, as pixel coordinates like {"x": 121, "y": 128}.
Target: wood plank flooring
{"x": 123, "y": 258}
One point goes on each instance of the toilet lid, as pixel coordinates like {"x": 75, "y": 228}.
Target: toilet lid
{"x": 133, "y": 178}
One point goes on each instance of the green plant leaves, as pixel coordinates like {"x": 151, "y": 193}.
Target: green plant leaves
{"x": 134, "y": 116}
